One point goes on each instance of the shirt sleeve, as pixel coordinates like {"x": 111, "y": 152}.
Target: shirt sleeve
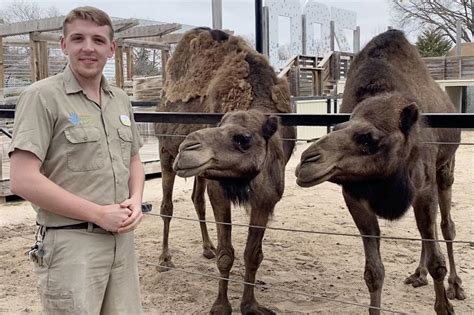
{"x": 137, "y": 141}
{"x": 33, "y": 124}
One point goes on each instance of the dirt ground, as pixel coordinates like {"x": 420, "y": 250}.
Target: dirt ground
{"x": 305, "y": 271}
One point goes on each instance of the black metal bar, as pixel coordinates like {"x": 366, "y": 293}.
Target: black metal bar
{"x": 435, "y": 120}
{"x": 258, "y": 26}
{"x": 143, "y": 103}
{"x": 6, "y": 132}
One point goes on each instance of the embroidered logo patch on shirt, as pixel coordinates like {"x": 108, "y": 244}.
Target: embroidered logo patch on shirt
{"x": 125, "y": 120}
{"x": 74, "y": 118}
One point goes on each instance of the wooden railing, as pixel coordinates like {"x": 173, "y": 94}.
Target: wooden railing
{"x": 312, "y": 75}
{"x": 451, "y": 68}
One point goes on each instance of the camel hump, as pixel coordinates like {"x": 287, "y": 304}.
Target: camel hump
{"x": 216, "y": 34}
{"x": 390, "y": 44}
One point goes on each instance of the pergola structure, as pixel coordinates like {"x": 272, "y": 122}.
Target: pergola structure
{"x": 128, "y": 34}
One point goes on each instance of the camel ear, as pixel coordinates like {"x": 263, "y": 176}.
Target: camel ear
{"x": 270, "y": 127}
{"x": 408, "y": 117}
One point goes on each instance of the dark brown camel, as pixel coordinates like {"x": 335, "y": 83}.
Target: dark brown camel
{"x": 242, "y": 161}
{"x": 384, "y": 162}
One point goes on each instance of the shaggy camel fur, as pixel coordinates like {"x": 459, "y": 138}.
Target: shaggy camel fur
{"x": 385, "y": 162}
{"x": 241, "y": 161}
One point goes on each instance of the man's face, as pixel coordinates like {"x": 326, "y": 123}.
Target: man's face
{"x": 88, "y": 47}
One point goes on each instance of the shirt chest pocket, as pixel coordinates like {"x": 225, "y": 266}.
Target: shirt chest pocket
{"x": 126, "y": 137}
{"x": 84, "y": 150}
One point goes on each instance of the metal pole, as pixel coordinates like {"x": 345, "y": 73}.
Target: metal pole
{"x": 258, "y": 26}
{"x": 217, "y": 14}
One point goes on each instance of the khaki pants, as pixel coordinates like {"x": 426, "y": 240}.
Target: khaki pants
{"x": 91, "y": 272}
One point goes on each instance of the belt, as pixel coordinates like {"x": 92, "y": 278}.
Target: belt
{"x": 80, "y": 226}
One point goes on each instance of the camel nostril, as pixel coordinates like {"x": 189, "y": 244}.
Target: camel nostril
{"x": 312, "y": 158}
{"x": 190, "y": 146}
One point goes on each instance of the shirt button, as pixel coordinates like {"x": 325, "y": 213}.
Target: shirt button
{"x": 85, "y": 138}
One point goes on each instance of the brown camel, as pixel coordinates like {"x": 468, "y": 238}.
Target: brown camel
{"x": 242, "y": 160}
{"x": 384, "y": 161}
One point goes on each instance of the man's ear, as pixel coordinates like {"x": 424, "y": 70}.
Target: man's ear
{"x": 408, "y": 117}
{"x": 62, "y": 41}
{"x": 113, "y": 46}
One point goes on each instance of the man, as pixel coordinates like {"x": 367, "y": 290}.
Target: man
{"x": 74, "y": 155}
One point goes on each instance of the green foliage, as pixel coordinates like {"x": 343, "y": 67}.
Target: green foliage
{"x": 431, "y": 43}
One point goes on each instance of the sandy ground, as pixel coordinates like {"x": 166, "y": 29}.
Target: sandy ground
{"x": 299, "y": 267}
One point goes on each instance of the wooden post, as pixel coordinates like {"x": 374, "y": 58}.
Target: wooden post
{"x": 217, "y": 14}
{"x": 2, "y": 66}
{"x": 35, "y": 72}
{"x": 165, "y": 54}
{"x": 459, "y": 47}
{"x": 43, "y": 59}
{"x": 129, "y": 54}
{"x": 119, "y": 67}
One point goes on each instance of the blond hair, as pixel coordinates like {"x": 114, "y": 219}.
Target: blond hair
{"x": 88, "y": 13}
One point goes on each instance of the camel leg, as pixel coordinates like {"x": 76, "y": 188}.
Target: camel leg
{"x": 253, "y": 256}
{"x": 199, "y": 189}
{"x": 225, "y": 251}
{"x": 168, "y": 177}
{"x": 445, "y": 179}
{"x": 367, "y": 223}
{"x": 418, "y": 278}
{"x": 425, "y": 207}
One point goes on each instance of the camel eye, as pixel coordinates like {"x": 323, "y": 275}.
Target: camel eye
{"x": 242, "y": 141}
{"x": 367, "y": 143}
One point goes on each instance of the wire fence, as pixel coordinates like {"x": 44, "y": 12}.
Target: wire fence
{"x": 466, "y": 120}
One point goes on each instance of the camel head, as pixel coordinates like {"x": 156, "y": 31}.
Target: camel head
{"x": 376, "y": 143}
{"x": 236, "y": 149}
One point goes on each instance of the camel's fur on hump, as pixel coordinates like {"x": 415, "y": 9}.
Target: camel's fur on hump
{"x": 214, "y": 65}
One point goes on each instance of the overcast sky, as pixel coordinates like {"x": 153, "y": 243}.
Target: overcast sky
{"x": 373, "y": 16}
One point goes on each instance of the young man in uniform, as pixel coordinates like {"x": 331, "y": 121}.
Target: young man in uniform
{"x": 74, "y": 155}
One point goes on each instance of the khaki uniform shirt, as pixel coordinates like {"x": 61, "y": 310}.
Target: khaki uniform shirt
{"x": 84, "y": 148}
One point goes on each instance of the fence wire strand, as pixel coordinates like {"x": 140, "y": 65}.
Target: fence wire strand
{"x": 272, "y": 288}
{"x": 150, "y": 134}
{"x": 399, "y": 238}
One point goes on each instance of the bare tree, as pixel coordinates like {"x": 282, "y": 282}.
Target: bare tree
{"x": 21, "y": 10}
{"x": 439, "y": 15}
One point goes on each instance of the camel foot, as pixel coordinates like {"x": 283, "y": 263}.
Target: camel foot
{"x": 165, "y": 263}
{"x": 209, "y": 252}
{"x": 417, "y": 279}
{"x": 255, "y": 309}
{"x": 446, "y": 309}
{"x": 220, "y": 307}
{"x": 455, "y": 290}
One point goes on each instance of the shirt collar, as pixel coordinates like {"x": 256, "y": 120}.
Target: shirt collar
{"x": 72, "y": 86}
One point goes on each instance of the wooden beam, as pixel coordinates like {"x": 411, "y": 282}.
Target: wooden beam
{"x": 119, "y": 67}
{"x": 122, "y": 25}
{"x": 142, "y": 43}
{"x": 2, "y": 66}
{"x": 41, "y": 25}
{"x": 129, "y": 54}
{"x": 53, "y": 24}
{"x": 170, "y": 38}
{"x": 149, "y": 30}
{"x": 18, "y": 42}
{"x": 46, "y": 36}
